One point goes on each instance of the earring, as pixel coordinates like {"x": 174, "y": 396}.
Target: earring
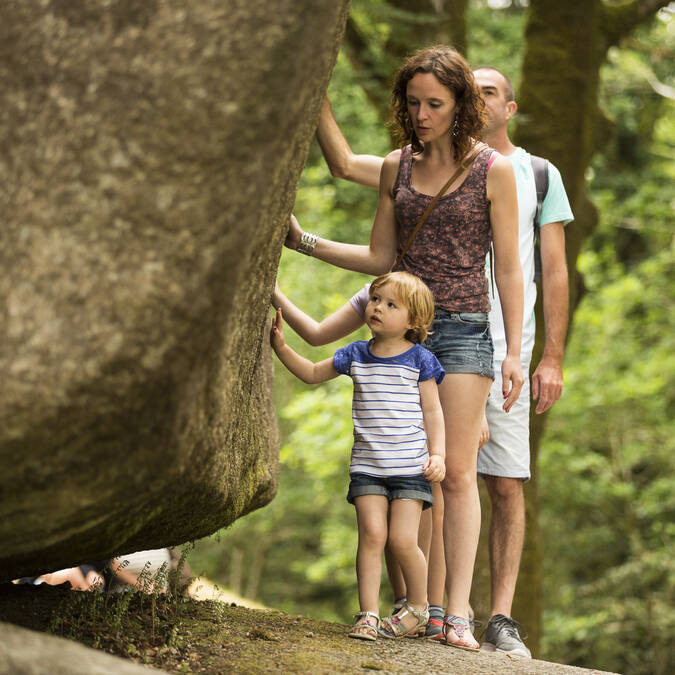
{"x": 455, "y": 128}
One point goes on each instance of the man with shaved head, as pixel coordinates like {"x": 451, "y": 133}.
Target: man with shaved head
{"x": 504, "y": 462}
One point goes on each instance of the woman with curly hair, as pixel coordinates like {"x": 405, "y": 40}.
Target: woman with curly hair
{"x": 439, "y": 114}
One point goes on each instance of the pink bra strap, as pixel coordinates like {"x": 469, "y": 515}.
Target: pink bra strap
{"x": 493, "y": 156}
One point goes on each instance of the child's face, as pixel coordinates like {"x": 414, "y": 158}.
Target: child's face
{"x": 386, "y": 315}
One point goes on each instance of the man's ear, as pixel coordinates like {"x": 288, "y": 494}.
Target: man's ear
{"x": 511, "y": 109}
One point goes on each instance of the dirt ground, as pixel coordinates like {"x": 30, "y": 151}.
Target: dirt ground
{"x": 212, "y": 636}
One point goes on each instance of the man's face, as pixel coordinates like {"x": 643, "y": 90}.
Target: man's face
{"x": 492, "y": 87}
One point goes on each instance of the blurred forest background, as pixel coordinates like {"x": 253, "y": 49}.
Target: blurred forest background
{"x": 597, "y": 588}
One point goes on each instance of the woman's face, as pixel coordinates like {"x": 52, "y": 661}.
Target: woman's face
{"x": 431, "y": 107}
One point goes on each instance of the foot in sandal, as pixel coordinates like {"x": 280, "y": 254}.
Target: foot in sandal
{"x": 407, "y": 622}
{"x": 365, "y": 626}
{"x": 458, "y": 634}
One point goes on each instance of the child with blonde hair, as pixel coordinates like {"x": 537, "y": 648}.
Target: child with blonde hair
{"x": 399, "y": 441}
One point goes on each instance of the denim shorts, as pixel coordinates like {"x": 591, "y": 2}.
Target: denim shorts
{"x": 461, "y": 341}
{"x": 391, "y": 487}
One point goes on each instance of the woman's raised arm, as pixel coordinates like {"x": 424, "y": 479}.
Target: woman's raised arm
{"x": 341, "y": 160}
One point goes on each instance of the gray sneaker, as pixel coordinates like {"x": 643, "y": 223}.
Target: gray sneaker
{"x": 502, "y": 635}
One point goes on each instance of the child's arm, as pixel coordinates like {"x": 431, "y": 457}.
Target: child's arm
{"x": 342, "y": 322}
{"x": 308, "y": 372}
{"x": 434, "y": 467}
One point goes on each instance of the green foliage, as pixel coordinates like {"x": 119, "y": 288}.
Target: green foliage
{"x": 633, "y": 181}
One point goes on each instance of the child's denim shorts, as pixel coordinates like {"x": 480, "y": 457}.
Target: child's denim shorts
{"x": 391, "y": 487}
{"x": 462, "y": 342}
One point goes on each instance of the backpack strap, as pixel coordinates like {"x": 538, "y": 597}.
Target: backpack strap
{"x": 540, "y": 170}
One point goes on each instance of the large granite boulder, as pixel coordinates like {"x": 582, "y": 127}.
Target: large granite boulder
{"x": 150, "y": 154}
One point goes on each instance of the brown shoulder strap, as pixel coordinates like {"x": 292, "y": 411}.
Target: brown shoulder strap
{"x": 468, "y": 160}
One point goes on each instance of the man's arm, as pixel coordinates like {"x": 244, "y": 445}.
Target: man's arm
{"x": 547, "y": 381}
{"x": 342, "y": 162}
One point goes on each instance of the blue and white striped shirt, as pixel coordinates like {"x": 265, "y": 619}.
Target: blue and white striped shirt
{"x": 389, "y": 436}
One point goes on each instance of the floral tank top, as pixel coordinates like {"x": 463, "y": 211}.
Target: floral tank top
{"x": 449, "y": 251}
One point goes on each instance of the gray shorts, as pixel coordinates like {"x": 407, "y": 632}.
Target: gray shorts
{"x": 507, "y": 453}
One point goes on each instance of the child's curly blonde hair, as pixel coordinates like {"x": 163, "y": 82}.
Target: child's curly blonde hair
{"x": 415, "y": 295}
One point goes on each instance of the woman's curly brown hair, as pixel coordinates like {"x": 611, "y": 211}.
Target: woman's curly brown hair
{"x": 452, "y": 71}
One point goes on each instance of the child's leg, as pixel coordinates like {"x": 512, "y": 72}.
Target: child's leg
{"x": 371, "y": 517}
{"x": 436, "y": 555}
{"x": 404, "y": 524}
{"x": 424, "y": 537}
{"x": 430, "y": 540}
{"x": 436, "y": 565}
{"x": 395, "y": 576}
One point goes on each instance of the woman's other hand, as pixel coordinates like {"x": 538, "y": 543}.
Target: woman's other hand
{"x": 484, "y": 432}
{"x": 512, "y": 381}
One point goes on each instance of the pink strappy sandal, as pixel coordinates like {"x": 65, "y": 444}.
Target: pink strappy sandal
{"x": 462, "y": 633}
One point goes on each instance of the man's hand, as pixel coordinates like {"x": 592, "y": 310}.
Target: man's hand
{"x": 294, "y": 233}
{"x": 547, "y": 383}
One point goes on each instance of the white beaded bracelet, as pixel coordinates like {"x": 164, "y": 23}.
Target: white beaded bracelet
{"x": 307, "y": 243}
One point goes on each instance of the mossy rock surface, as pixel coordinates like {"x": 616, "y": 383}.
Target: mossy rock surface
{"x": 213, "y": 637}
